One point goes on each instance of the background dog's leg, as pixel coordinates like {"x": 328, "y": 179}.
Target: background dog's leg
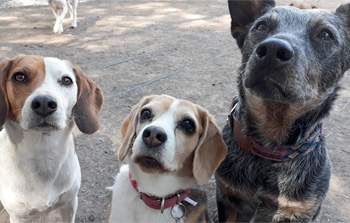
{"x": 54, "y": 13}
{"x": 74, "y": 10}
{"x": 69, "y": 210}
{"x": 69, "y": 3}
{"x": 58, "y": 28}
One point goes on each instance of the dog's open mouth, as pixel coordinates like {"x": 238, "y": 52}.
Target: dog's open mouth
{"x": 150, "y": 164}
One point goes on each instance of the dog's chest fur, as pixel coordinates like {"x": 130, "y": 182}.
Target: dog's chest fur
{"x": 43, "y": 168}
{"x": 259, "y": 183}
{"x": 135, "y": 209}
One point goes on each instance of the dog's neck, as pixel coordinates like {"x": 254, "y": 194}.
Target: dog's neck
{"x": 275, "y": 120}
{"x": 39, "y": 153}
{"x": 159, "y": 185}
{"x": 31, "y": 138}
{"x": 276, "y": 124}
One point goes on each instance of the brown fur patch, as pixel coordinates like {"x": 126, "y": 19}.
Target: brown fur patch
{"x": 197, "y": 215}
{"x": 295, "y": 208}
{"x": 303, "y": 5}
{"x": 187, "y": 166}
{"x": 34, "y": 69}
{"x": 292, "y": 209}
{"x": 89, "y": 103}
{"x": 130, "y": 127}
{"x": 275, "y": 119}
{"x": 189, "y": 142}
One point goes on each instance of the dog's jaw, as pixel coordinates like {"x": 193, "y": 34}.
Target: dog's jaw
{"x": 149, "y": 164}
{"x": 159, "y": 184}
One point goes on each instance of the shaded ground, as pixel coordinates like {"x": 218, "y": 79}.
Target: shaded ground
{"x": 184, "y": 48}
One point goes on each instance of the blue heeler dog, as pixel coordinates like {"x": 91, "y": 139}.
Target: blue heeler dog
{"x": 277, "y": 168}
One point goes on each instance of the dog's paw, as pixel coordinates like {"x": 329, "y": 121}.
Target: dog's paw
{"x": 74, "y": 25}
{"x": 58, "y": 29}
{"x": 303, "y": 5}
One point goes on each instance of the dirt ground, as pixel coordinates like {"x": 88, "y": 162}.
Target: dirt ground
{"x": 133, "y": 48}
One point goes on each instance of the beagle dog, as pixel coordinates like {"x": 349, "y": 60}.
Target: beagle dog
{"x": 170, "y": 145}
{"x": 40, "y": 100}
{"x": 60, "y": 9}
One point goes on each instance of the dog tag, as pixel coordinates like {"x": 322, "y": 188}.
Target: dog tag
{"x": 178, "y": 212}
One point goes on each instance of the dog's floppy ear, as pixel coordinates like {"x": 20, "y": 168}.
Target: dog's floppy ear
{"x": 4, "y": 107}
{"x": 89, "y": 103}
{"x": 129, "y": 127}
{"x": 245, "y": 12}
{"x": 210, "y": 151}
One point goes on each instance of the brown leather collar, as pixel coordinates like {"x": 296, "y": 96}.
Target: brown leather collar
{"x": 160, "y": 203}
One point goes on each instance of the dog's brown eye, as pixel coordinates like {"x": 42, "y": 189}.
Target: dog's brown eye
{"x": 66, "y": 81}
{"x": 20, "y": 77}
{"x": 261, "y": 26}
{"x": 187, "y": 126}
{"x": 146, "y": 115}
{"x": 325, "y": 35}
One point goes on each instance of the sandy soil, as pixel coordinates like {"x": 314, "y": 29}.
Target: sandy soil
{"x": 136, "y": 48}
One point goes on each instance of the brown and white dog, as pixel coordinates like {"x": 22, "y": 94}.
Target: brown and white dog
{"x": 40, "y": 100}
{"x": 170, "y": 144}
{"x": 60, "y": 9}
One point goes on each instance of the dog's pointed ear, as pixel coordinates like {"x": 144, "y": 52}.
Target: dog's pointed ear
{"x": 244, "y": 13}
{"x": 89, "y": 103}
{"x": 344, "y": 12}
{"x": 129, "y": 127}
{"x": 4, "y": 107}
{"x": 210, "y": 151}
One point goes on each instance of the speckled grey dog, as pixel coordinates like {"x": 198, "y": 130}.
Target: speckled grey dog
{"x": 277, "y": 168}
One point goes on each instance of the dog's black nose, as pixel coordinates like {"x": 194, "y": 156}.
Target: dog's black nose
{"x": 44, "y": 105}
{"x": 275, "y": 53}
{"x": 154, "y": 136}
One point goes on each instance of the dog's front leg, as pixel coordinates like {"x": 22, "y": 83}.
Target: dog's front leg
{"x": 58, "y": 28}
{"x": 54, "y": 13}
{"x": 69, "y": 210}
{"x": 73, "y": 14}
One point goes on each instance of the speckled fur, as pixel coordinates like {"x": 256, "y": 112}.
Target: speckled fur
{"x": 254, "y": 189}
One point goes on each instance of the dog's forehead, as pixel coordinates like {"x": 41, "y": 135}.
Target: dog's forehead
{"x": 28, "y": 63}
{"x": 290, "y": 17}
{"x": 160, "y": 103}
{"x": 166, "y": 104}
{"x": 57, "y": 68}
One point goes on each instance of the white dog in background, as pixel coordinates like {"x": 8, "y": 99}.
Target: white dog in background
{"x": 60, "y": 9}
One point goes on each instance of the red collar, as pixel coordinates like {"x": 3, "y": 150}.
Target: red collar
{"x": 285, "y": 153}
{"x": 160, "y": 203}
